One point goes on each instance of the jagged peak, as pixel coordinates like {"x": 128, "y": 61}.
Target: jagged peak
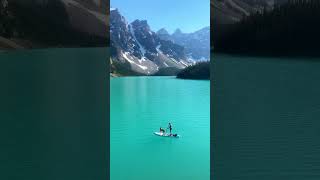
{"x": 177, "y": 31}
{"x": 140, "y": 22}
{"x": 162, "y": 31}
{"x": 113, "y": 9}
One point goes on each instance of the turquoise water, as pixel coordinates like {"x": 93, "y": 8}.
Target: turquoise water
{"x": 266, "y": 118}
{"x": 53, "y": 114}
{"x": 139, "y": 106}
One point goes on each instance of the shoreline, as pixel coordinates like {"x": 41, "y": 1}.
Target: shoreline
{"x": 18, "y": 44}
{"x": 3, "y": 50}
{"x": 8, "y": 44}
{"x": 266, "y": 55}
{"x": 175, "y": 77}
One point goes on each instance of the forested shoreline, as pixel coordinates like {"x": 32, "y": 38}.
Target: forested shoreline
{"x": 200, "y": 71}
{"x": 289, "y": 29}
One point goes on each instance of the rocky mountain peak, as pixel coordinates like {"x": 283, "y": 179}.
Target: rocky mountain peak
{"x": 177, "y": 32}
{"x": 162, "y": 31}
{"x": 141, "y": 25}
{"x": 114, "y": 9}
{"x": 144, "y": 35}
{"x": 114, "y": 12}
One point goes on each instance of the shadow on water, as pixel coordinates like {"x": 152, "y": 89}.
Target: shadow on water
{"x": 53, "y": 114}
{"x": 265, "y": 119}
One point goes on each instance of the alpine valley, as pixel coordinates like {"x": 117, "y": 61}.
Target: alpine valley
{"x": 137, "y": 50}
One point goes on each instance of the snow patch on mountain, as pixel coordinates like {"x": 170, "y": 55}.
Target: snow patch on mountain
{"x": 142, "y": 49}
{"x": 132, "y": 62}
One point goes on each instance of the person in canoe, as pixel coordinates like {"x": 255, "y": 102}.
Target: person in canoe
{"x": 170, "y": 127}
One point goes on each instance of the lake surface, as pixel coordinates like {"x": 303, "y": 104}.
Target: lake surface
{"x": 139, "y": 106}
{"x": 53, "y": 119}
{"x": 266, "y": 118}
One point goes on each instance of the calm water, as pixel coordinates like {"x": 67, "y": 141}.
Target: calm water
{"x": 266, "y": 119}
{"x": 139, "y": 106}
{"x": 53, "y": 114}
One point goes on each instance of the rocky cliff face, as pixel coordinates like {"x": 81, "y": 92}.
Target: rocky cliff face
{"x": 88, "y": 16}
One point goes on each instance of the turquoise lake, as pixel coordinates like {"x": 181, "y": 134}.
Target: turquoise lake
{"x": 53, "y": 114}
{"x": 139, "y": 106}
{"x": 266, "y": 118}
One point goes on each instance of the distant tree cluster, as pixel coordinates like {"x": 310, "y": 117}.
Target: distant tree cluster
{"x": 292, "y": 28}
{"x": 200, "y": 70}
{"x": 6, "y": 20}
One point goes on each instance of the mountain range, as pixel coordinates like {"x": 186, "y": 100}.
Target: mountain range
{"x": 139, "y": 50}
{"x": 197, "y": 44}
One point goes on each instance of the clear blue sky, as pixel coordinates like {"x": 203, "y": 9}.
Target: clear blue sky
{"x": 188, "y": 15}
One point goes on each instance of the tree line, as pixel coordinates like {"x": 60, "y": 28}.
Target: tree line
{"x": 292, "y": 28}
{"x": 200, "y": 70}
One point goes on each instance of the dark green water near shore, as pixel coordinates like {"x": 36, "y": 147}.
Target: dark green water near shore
{"x": 266, "y": 118}
{"x": 53, "y": 114}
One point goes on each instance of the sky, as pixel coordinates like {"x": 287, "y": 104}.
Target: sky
{"x": 188, "y": 15}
